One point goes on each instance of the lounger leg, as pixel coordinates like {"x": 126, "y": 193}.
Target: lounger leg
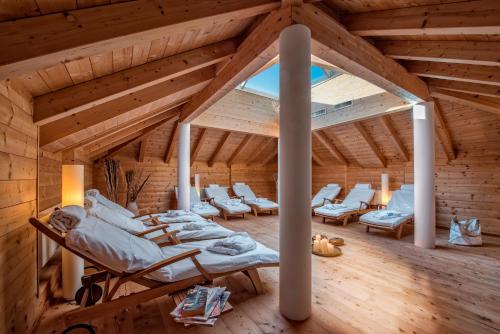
{"x": 323, "y": 220}
{"x": 400, "y": 231}
{"x": 255, "y": 279}
{"x": 255, "y": 212}
{"x": 346, "y": 220}
{"x": 367, "y": 228}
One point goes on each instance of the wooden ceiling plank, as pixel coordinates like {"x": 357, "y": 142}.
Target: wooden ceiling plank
{"x": 316, "y": 159}
{"x": 39, "y": 42}
{"x": 219, "y": 148}
{"x": 443, "y": 133}
{"x": 460, "y": 52}
{"x": 255, "y": 156}
{"x": 198, "y": 145}
{"x": 113, "y": 148}
{"x": 371, "y": 143}
{"x": 489, "y": 75}
{"x": 241, "y": 147}
{"x": 485, "y": 103}
{"x": 267, "y": 160}
{"x": 464, "y": 87}
{"x": 393, "y": 135}
{"x": 255, "y": 51}
{"x": 461, "y": 18}
{"x": 85, "y": 95}
{"x": 334, "y": 44}
{"x": 327, "y": 143}
{"x": 171, "y": 143}
{"x": 182, "y": 87}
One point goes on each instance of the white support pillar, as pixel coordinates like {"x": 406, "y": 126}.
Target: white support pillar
{"x": 183, "y": 167}
{"x": 423, "y": 156}
{"x": 295, "y": 172}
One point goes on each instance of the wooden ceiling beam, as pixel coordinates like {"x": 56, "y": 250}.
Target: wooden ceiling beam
{"x": 255, "y": 51}
{"x": 393, "y": 135}
{"x": 464, "y": 87}
{"x": 267, "y": 160}
{"x": 33, "y": 43}
{"x": 244, "y": 144}
{"x": 171, "y": 143}
{"x": 113, "y": 147}
{"x": 327, "y": 143}
{"x": 198, "y": 145}
{"x": 88, "y": 94}
{"x": 142, "y": 150}
{"x": 334, "y": 44}
{"x": 219, "y": 148}
{"x": 178, "y": 88}
{"x": 489, "y": 75}
{"x": 460, "y": 52}
{"x": 371, "y": 143}
{"x": 443, "y": 133}
{"x": 316, "y": 159}
{"x": 255, "y": 156}
{"x": 485, "y": 103}
{"x": 461, "y": 18}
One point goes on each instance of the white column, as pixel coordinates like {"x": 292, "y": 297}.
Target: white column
{"x": 423, "y": 156}
{"x": 183, "y": 167}
{"x": 295, "y": 172}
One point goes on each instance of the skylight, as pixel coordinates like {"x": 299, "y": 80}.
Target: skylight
{"x": 267, "y": 82}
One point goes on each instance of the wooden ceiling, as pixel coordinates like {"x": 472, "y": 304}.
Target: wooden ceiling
{"x": 107, "y": 74}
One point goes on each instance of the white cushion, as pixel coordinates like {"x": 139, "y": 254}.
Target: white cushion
{"x": 110, "y": 204}
{"x": 232, "y": 206}
{"x": 262, "y": 203}
{"x": 204, "y": 209}
{"x": 363, "y": 186}
{"x": 409, "y": 187}
{"x": 402, "y": 201}
{"x": 381, "y": 218}
{"x": 330, "y": 192}
{"x": 117, "y": 219}
{"x": 332, "y": 210}
{"x": 358, "y": 195}
{"x": 243, "y": 190}
{"x": 217, "y": 192}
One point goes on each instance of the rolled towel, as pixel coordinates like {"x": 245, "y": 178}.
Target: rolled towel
{"x": 92, "y": 193}
{"x": 90, "y": 203}
{"x": 236, "y": 243}
{"x": 67, "y": 218}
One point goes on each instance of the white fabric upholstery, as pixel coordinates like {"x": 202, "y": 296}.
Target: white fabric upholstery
{"x": 329, "y": 192}
{"x": 398, "y": 210}
{"x": 249, "y": 197}
{"x": 402, "y": 201}
{"x": 410, "y": 187}
{"x": 222, "y": 200}
{"x": 110, "y": 204}
{"x": 198, "y": 206}
{"x": 116, "y": 218}
{"x": 125, "y": 252}
{"x": 363, "y": 186}
{"x": 178, "y": 216}
{"x": 350, "y": 203}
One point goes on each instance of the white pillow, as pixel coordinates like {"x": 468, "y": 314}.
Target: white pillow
{"x": 116, "y": 219}
{"x": 110, "y": 204}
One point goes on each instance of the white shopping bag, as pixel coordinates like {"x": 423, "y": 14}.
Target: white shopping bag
{"x": 465, "y": 232}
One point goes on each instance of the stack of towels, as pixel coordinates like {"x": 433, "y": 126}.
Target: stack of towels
{"x": 235, "y": 244}
{"x": 67, "y": 218}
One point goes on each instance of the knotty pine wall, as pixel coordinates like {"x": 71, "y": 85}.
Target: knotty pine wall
{"x": 468, "y": 186}
{"x": 158, "y": 194}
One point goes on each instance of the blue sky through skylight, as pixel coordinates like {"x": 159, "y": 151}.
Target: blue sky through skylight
{"x": 267, "y": 82}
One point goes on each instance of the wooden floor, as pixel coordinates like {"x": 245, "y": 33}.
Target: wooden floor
{"x": 378, "y": 285}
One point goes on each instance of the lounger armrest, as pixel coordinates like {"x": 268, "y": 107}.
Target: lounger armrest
{"x": 211, "y": 200}
{"x": 238, "y": 197}
{"x": 325, "y": 200}
{"x": 337, "y": 200}
{"x": 361, "y": 203}
{"x": 166, "y": 262}
{"x": 381, "y": 206}
{"x": 153, "y": 229}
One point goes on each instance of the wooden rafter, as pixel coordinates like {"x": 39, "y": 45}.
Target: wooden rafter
{"x": 85, "y": 95}
{"x": 115, "y": 147}
{"x": 39, "y": 42}
{"x": 461, "y": 18}
{"x": 178, "y": 88}
{"x": 461, "y": 52}
{"x": 270, "y": 158}
{"x": 244, "y": 143}
{"x": 198, "y": 145}
{"x": 136, "y": 123}
{"x": 219, "y": 148}
{"x": 254, "y": 52}
{"x": 393, "y": 135}
{"x": 489, "y": 75}
{"x": 256, "y": 155}
{"x": 443, "y": 133}
{"x": 142, "y": 150}
{"x": 171, "y": 143}
{"x": 316, "y": 159}
{"x": 334, "y": 44}
{"x": 485, "y": 103}
{"x": 327, "y": 143}
{"x": 371, "y": 143}
{"x": 464, "y": 87}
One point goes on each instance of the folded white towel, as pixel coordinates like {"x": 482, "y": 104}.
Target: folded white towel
{"x": 177, "y": 213}
{"x": 385, "y": 214}
{"x": 335, "y": 206}
{"x": 235, "y": 244}
{"x": 197, "y": 226}
{"x": 90, "y": 203}
{"x": 67, "y": 218}
{"x": 233, "y": 202}
{"x": 201, "y": 205}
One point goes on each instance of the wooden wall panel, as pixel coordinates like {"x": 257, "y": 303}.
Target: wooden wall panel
{"x": 18, "y": 179}
{"x": 50, "y": 177}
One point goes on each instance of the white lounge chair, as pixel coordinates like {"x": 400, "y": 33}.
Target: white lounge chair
{"x": 357, "y": 202}
{"x": 158, "y": 230}
{"x": 258, "y": 204}
{"x": 219, "y": 197}
{"x": 202, "y": 208}
{"x": 161, "y": 270}
{"x": 326, "y": 195}
{"x": 398, "y": 212}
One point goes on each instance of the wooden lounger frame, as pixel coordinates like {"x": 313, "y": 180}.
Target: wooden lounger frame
{"x": 398, "y": 229}
{"x": 344, "y": 218}
{"x": 325, "y": 200}
{"x": 256, "y": 209}
{"x": 154, "y": 289}
{"x": 223, "y": 212}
